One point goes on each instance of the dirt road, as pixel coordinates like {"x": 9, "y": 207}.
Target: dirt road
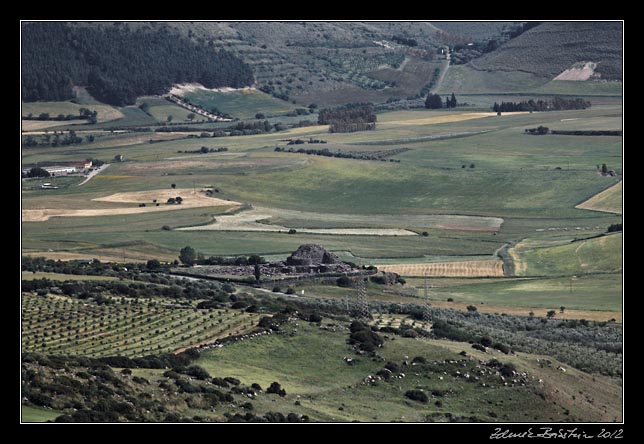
{"x": 94, "y": 173}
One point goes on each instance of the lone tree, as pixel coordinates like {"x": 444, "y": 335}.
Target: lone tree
{"x": 191, "y": 116}
{"x": 187, "y": 256}
{"x": 173, "y": 185}
{"x": 562, "y": 309}
{"x": 551, "y": 314}
{"x": 604, "y": 169}
{"x": 258, "y": 272}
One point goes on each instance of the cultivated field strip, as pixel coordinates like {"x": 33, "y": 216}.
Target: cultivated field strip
{"x": 482, "y": 268}
{"x": 66, "y": 326}
{"x": 153, "y": 201}
{"x": 608, "y": 201}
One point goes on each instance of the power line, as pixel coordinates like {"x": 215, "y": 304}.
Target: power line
{"x": 362, "y": 304}
{"x": 427, "y": 312}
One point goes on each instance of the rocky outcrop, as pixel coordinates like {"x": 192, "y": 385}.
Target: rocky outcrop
{"x": 312, "y": 254}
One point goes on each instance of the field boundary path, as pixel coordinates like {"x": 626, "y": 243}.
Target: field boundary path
{"x": 443, "y": 71}
{"x": 94, "y": 173}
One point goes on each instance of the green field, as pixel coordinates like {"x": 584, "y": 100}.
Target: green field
{"x": 589, "y": 292}
{"x": 242, "y": 104}
{"x": 37, "y": 414}
{"x": 161, "y": 109}
{"x": 521, "y": 173}
{"x": 310, "y": 366}
{"x": 586, "y": 294}
{"x": 325, "y": 379}
{"x": 556, "y": 258}
{"x": 587, "y": 88}
{"x": 461, "y": 79}
{"x": 105, "y": 112}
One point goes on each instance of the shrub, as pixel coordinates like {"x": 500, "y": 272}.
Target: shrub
{"x": 486, "y": 341}
{"x": 471, "y": 308}
{"x": 290, "y": 290}
{"x": 364, "y": 337}
{"x": 277, "y": 289}
{"x": 417, "y": 395}
{"x": 314, "y": 317}
{"x": 276, "y": 388}
{"x": 419, "y": 360}
{"x": 343, "y": 281}
{"x": 393, "y": 367}
{"x": 197, "y": 372}
{"x": 220, "y": 382}
{"x": 508, "y": 369}
{"x": 409, "y": 333}
{"x": 479, "y": 347}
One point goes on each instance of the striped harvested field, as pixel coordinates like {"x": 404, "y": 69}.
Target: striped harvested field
{"x": 608, "y": 201}
{"x": 481, "y": 268}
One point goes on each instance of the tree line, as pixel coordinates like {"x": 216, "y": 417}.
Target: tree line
{"x": 47, "y": 140}
{"x": 556, "y": 104}
{"x": 118, "y": 64}
{"x": 349, "y": 118}
{"x": 434, "y": 101}
{"x": 83, "y": 114}
{"x": 542, "y": 130}
{"x": 357, "y": 155}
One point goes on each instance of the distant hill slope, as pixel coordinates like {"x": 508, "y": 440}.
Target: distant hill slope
{"x": 552, "y": 47}
{"x": 118, "y": 64}
{"x": 326, "y": 63}
{"x": 474, "y": 30}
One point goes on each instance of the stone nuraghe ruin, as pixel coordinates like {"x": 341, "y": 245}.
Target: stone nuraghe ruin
{"x": 312, "y": 258}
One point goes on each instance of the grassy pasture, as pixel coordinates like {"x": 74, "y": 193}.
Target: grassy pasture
{"x": 556, "y": 258}
{"x": 461, "y": 79}
{"x": 514, "y": 176}
{"x": 105, "y": 112}
{"x": 332, "y": 390}
{"x": 600, "y": 292}
{"x": 242, "y": 104}
{"x": 38, "y": 414}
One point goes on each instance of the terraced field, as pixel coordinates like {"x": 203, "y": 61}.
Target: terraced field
{"x": 64, "y": 326}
